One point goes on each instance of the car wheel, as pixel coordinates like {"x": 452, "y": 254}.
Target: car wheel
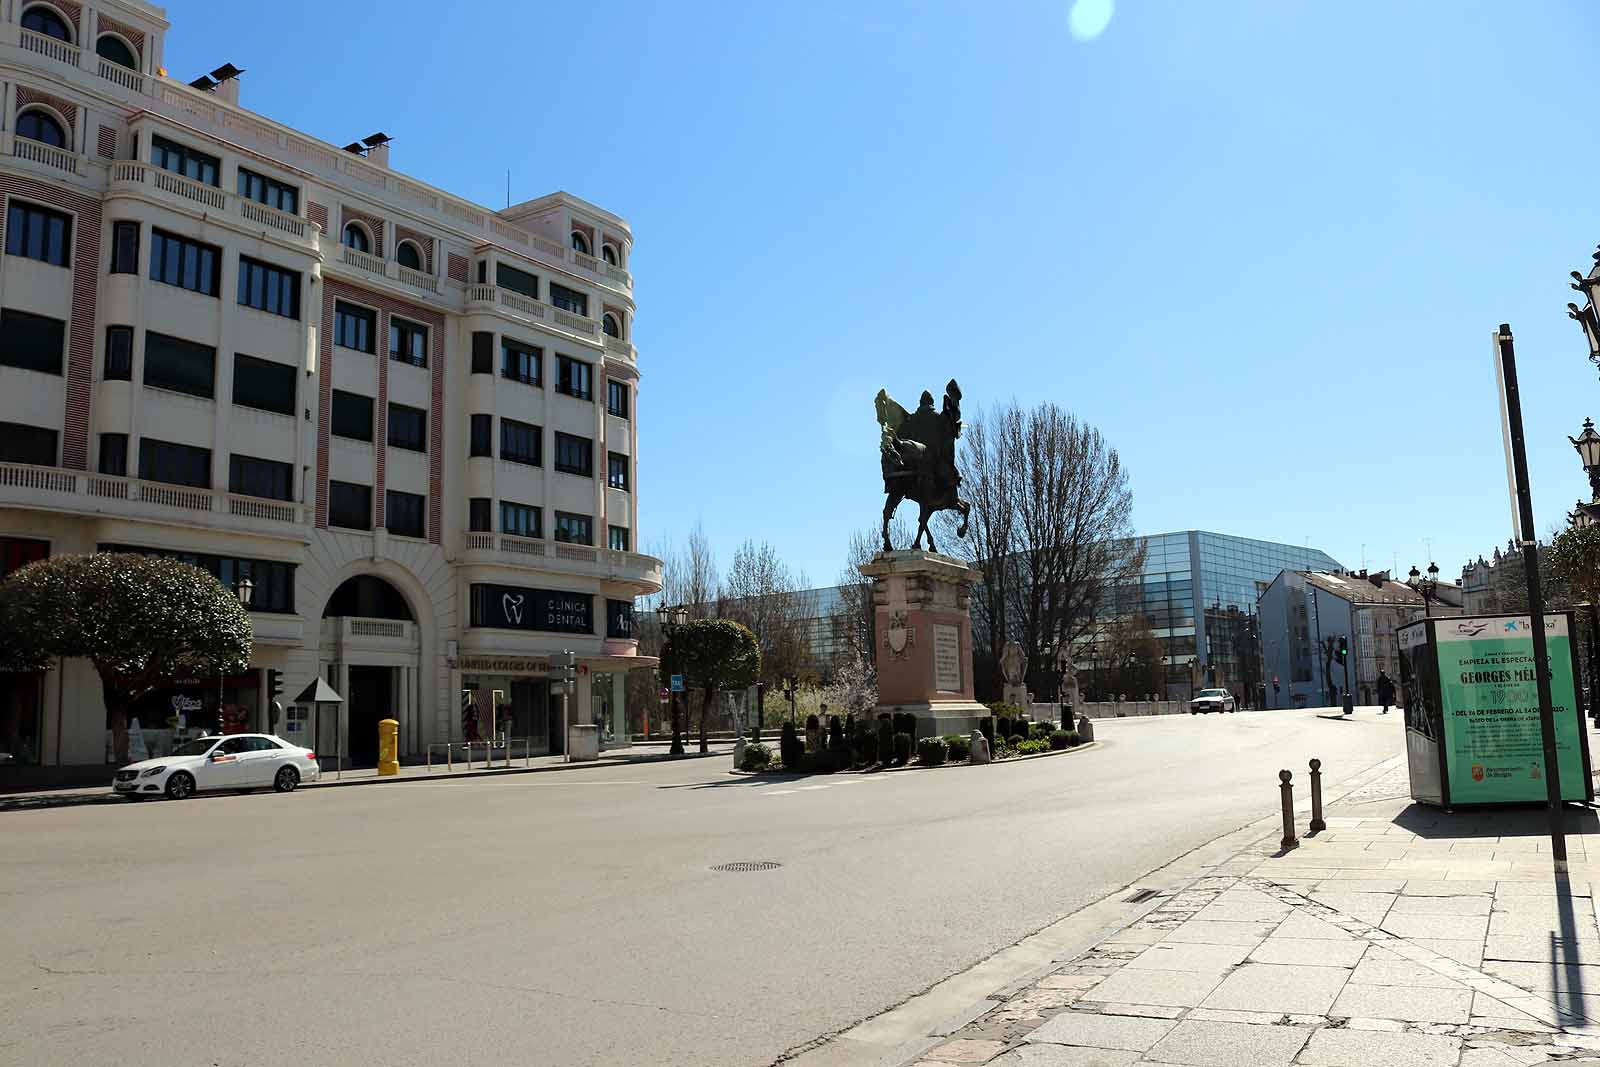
{"x": 286, "y": 780}
{"x": 180, "y": 786}
{"x": 1193, "y": 712}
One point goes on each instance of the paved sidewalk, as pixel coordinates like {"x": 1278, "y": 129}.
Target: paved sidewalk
{"x": 1399, "y": 937}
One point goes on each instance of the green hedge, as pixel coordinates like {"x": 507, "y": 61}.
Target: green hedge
{"x": 756, "y": 758}
{"x": 960, "y": 748}
{"x": 932, "y": 751}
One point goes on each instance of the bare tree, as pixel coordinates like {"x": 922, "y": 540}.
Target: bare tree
{"x": 854, "y": 623}
{"x": 1051, "y": 531}
{"x": 763, "y": 594}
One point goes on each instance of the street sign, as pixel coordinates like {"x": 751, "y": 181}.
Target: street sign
{"x": 677, "y": 683}
{"x": 664, "y": 695}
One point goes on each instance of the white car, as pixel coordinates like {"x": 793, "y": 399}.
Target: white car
{"x": 1218, "y": 700}
{"x": 208, "y": 764}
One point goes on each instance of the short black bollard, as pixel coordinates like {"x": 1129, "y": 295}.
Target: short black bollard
{"x": 1317, "y": 825}
{"x": 1289, "y": 840}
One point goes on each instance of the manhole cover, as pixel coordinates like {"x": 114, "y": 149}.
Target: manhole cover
{"x": 748, "y": 865}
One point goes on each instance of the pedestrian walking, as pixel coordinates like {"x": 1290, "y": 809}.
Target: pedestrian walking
{"x": 1385, "y": 691}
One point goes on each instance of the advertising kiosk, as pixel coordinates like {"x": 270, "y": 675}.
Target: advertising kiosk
{"x": 1472, "y": 710}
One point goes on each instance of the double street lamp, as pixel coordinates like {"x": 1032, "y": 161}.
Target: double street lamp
{"x": 673, "y": 619}
{"x": 1587, "y": 445}
{"x": 1426, "y": 586}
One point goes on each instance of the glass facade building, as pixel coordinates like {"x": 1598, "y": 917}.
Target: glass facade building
{"x": 1198, "y": 590}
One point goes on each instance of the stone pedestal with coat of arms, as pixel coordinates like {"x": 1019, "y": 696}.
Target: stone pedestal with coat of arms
{"x": 924, "y": 635}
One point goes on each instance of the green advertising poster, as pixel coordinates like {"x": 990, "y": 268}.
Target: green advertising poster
{"x": 1494, "y": 750}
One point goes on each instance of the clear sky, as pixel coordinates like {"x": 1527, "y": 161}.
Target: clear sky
{"x": 1262, "y": 245}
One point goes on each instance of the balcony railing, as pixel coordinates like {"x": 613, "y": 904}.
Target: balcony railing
{"x": 576, "y": 322}
{"x": 22, "y": 484}
{"x": 371, "y": 634}
{"x": 130, "y": 172}
{"x": 116, "y": 72}
{"x": 417, "y": 279}
{"x": 616, "y": 346}
{"x": 269, "y": 216}
{"x": 362, "y": 260}
{"x": 49, "y": 155}
{"x": 178, "y": 185}
{"x": 630, "y": 566}
{"x": 45, "y": 45}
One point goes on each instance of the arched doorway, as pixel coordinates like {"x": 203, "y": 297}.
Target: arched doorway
{"x": 370, "y": 647}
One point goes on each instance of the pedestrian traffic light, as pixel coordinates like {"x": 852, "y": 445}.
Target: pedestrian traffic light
{"x": 569, "y": 673}
{"x": 1343, "y": 650}
{"x": 274, "y": 684}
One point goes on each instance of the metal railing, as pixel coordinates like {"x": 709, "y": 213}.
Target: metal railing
{"x": 501, "y": 749}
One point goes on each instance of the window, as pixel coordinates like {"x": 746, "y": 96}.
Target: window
{"x": 263, "y": 384}
{"x": 32, "y": 342}
{"x": 267, "y": 288}
{"x": 519, "y": 362}
{"x": 249, "y": 476}
{"x": 402, "y": 513}
{"x": 619, "y": 539}
{"x": 617, "y": 398}
{"x": 408, "y": 427}
{"x": 114, "y": 454}
{"x": 519, "y": 442}
{"x": 580, "y": 243}
{"x": 408, "y": 342}
{"x": 617, "y": 471}
{"x": 608, "y": 323}
{"x": 124, "y": 248}
{"x": 522, "y": 520}
{"x": 187, "y": 264}
{"x": 518, "y": 281}
{"x": 482, "y": 352}
{"x": 408, "y": 256}
{"x": 350, "y": 505}
{"x": 41, "y": 19}
{"x": 478, "y": 512}
{"x": 355, "y": 237}
{"x": 354, "y": 327}
{"x": 20, "y": 443}
{"x": 574, "y": 529}
{"x": 574, "y": 455}
{"x": 37, "y": 233}
{"x": 609, "y": 254}
{"x": 352, "y": 416}
{"x": 179, "y": 365}
{"x": 482, "y": 438}
{"x": 574, "y": 377}
{"x": 164, "y": 461}
{"x": 274, "y": 582}
{"x": 116, "y": 50}
{"x": 119, "y": 354}
{"x": 269, "y": 191}
{"x": 569, "y": 299}
{"x": 38, "y": 125}
{"x": 180, "y": 159}
{"x": 619, "y": 617}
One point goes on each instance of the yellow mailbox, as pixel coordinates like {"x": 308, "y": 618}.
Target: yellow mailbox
{"x": 388, "y": 747}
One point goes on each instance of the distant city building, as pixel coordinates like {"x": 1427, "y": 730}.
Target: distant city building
{"x": 1304, "y": 613}
{"x": 1499, "y": 585}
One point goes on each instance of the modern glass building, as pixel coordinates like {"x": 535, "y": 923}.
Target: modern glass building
{"x": 1198, "y": 590}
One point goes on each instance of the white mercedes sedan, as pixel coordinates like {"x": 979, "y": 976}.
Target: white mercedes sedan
{"x": 210, "y": 764}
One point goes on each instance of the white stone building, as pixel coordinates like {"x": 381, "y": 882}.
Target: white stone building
{"x": 409, "y": 419}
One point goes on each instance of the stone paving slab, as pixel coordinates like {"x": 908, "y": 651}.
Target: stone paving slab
{"x": 1101, "y": 1031}
{"x": 1354, "y": 1048}
{"x": 1277, "y": 988}
{"x": 1211, "y": 1044}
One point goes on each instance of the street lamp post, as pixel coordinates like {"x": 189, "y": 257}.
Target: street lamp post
{"x": 245, "y": 590}
{"x": 1587, "y": 445}
{"x": 1426, "y": 586}
{"x": 672, "y": 620}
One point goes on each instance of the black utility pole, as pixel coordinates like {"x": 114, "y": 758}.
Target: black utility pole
{"x": 1512, "y": 401}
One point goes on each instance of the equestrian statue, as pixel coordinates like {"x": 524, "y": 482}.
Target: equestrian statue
{"x": 919, "y": 460}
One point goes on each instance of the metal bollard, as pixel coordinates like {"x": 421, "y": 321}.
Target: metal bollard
{"x": 1289, "y": 840}
{"x": 1317, "y": 825}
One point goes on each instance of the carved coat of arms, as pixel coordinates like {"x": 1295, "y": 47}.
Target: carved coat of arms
{"x": 898, "y": 636}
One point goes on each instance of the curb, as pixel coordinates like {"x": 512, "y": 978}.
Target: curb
{"x": 778, "y": 775}
{"x": 498, "y": 772}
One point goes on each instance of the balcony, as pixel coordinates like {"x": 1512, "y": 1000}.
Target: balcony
{"x": 80, "y": 492}
{"x": 493, "y": 298}
{"x": 49, "y": 47}
{"x": 616, "y": 346}
{"x": 50, "y": 156}
{"x": 369, "y": 635}
{"x": 559, "y": 556}
{"x": 131, "y": 80}
{"x": 131, "y": 175}
{"x": 370, "y": 263}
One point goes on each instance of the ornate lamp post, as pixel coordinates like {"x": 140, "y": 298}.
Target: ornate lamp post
{"x": 1427, "y": 587}
{"x": 672, "y": 620}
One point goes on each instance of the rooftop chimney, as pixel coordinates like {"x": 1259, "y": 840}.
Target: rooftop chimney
{"x": 225, "y": 83}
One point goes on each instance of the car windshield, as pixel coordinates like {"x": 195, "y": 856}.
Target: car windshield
{"x": 198, "y": 747}
{"x": 1213, "y": 692}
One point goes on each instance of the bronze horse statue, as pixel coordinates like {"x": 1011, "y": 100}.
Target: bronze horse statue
{"x": 919, "y": 460}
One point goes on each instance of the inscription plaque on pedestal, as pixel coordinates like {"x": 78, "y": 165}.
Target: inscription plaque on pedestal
{"x": 947, "y": 658}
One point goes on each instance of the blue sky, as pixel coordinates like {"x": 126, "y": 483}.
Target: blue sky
{"x": 1261, "y": 245}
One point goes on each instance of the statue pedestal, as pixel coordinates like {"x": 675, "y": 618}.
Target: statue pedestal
{"x": 924, "y": 635}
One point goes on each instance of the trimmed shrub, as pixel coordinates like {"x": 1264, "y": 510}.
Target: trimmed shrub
{"x": 1039, "y": 731}
{"x": 1067, "y": 720}
{"x": 812, "y": 723}
{"x": 790, "y": 748}
{"x": 820, "y": 762}
{"x": 1002, "y": 726}
{"x": 959, "y": 748}
{"x": 869, "y": 748}
{"x": 1000, "y": 709}
{"x": 902, "y": 748}
{"x": 885, "y": 740}
{"x": 835, "y": 733}
{"x": 756, "y": 757}
{"x": 1073, "y": 738}
{"x": 932, "y": 751}
{"x": 1060, "y": 739}
{"x": 1015, "y": 741}
{"x": 1031, "y": 748}
{"x": 986, "y": 728}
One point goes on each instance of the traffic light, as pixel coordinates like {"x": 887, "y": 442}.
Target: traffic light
{"x": 274, "y": 684}
{"x": 1343, "y": 651}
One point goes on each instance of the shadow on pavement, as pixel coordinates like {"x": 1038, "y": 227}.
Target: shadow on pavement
{"x": 759, "y": 779}
{"x": 1531, "y": 820}
{"x": 38, "y": 802}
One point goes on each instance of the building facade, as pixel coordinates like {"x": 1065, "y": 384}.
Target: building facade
{"x": 409, "y": 420}
{"x": 1304, "y": 614}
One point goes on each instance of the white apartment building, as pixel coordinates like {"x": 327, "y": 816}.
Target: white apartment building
{"x": 409, "y": 420}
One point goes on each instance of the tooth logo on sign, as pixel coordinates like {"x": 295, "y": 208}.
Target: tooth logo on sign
{"x": 512, "y": 606}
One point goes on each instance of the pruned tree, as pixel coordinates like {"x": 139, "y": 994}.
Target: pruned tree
{"x": 1051, "y": 531}
{"x": 141, "y": 620}
{"x": 764, "y": 595}
{"x": 712, "y": 655}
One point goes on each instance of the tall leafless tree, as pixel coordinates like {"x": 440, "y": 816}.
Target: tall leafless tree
{"x": 761, "y": 592}
{"x": 1051, "y": 531}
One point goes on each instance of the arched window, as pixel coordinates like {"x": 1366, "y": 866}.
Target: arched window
{"x": 609, "y": 254}
{"x": 580, "y": 243}
{"x": 608, "y": 323}
{"x": 408, "y": 256}
{"x": 39, "y": 126}
{"x": 41, "y": 19}
{"x": 117, "y": 51}
{"x": 355, "y": 237}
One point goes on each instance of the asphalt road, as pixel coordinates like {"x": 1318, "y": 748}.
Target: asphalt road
{"x": 573, "y": 918}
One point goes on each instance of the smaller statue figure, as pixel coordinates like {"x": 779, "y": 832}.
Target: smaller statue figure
{"x": 1013, "y": 663}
